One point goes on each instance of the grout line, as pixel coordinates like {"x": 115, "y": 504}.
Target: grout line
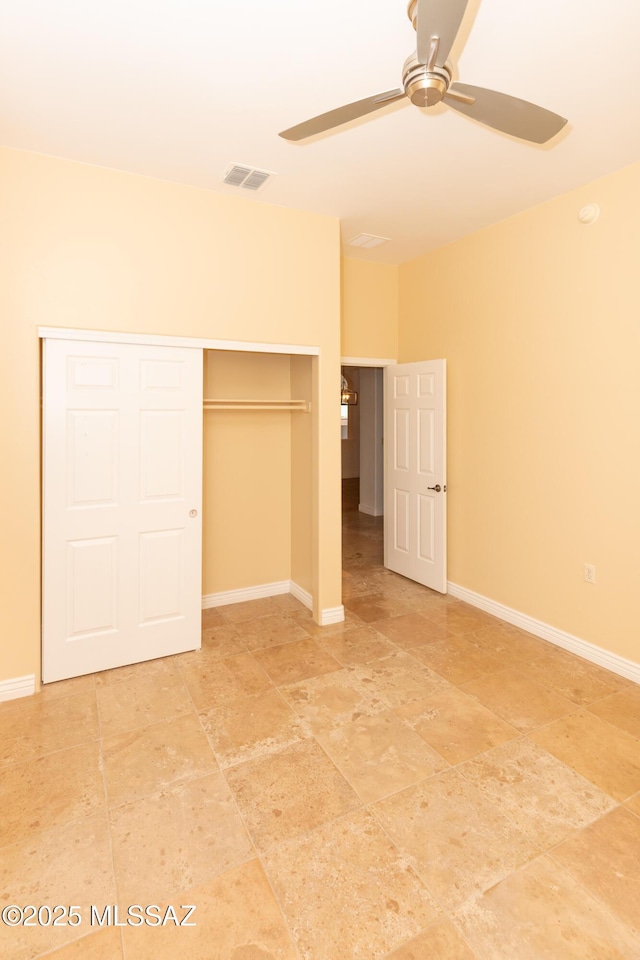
{"x": 258, "y": 857}
{"x": 45, "y": 756}
{"x": 108, "y": 812}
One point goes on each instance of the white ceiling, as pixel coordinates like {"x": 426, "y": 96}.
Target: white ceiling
{"x": 179, "y": 89}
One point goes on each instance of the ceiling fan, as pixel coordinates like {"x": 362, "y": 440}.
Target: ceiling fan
{"x": 426, "y": 79}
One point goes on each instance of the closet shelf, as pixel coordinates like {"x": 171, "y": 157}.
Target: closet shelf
{"x": 216, "y": 404}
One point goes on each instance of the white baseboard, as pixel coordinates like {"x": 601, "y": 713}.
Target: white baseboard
{"x": 245, "y": 593}
{"x": 302, "y": 595}
{"x": 327, "y": 617}
{"x": 18, "y": 687}
{"x": 331, "y": 615}
{"x": 256, "y": 593}
{"x": 370, "y": 511}
{"x": 582, "y": 648}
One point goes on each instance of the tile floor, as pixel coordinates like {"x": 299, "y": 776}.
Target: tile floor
{"x": 422, "y": 782}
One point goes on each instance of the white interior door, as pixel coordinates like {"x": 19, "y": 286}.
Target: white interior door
{"x": 415, "y": 483}
{"x": 122, "y": 517}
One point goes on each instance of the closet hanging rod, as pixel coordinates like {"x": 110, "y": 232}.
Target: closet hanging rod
{"x": 220, "y": 404}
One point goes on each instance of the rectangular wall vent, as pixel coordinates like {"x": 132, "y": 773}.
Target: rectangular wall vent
{"x": 247, "y": 177}
{"x": 367, "y": 241}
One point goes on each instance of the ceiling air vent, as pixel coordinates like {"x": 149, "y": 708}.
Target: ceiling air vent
{"x": 247, "y": 177}
{"x": 367, "y": 241}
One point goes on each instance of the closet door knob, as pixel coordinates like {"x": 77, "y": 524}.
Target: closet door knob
{"x": 193, "y": 513}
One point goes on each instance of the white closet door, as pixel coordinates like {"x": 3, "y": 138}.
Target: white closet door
{"x": 415, "y": 485}
{"x": 122, "y": 504}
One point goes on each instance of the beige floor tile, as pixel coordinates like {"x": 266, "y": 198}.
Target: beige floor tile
{"x": 151, "y": 758}
{"x": 380, "y": 755}
{"x": 411, "y": 630}
{"x": 456, "y": 725}
{"x": 285, "y": 605}
{"x": 510, "y": 643}
{"x": 395, "y": 585}
{"x": 218, "y": 643}
{"x": 290, "y": 792}
{"x": 346, "y": 892}
{"x": 634, "y": 804}
{"x": 335, "y": 698}
{"x": 221, "y": 640}
{"x": 137, "y": 702}
{"x": 457, "y": 660}
{"x": 157, "y": 670}
{"x": 252, "y": 727}
{"x": 247, "y": 610}
{"x": 456, "y": 839}
{"x": 34, "y": 726}
{"x": 621, "y": 709}
{"x": 602, "y": 753}
{"x": 211, "y": 616}
{"x": 356, "y": 645}
{"x": 355, "y": 586}
{"x": 212, "y": 681}
{"x": 544, "y": 797}
{"x": 440, "y": 941}
{"x": 604, "y": 858}
{"x": 178, "y": 839}
{"x": 575, "y": 678}
{"x": 104, "y": 945}
{"x": 68, "y": 688}
{"x": 519, "y": 699}
{"x": 271, "y": 631}
{"x": 398, "y": 678}
{"x": 459, "y": 618}
{"x": 62, "y": 787}
{"x": 236, "y": 917}
{"x": 295, "y": 661}
{"x": 68, "y": 865}
{"x": 377, "y": 606}
{"x": 541, "y": 913}
{"x": 447, "y": 600}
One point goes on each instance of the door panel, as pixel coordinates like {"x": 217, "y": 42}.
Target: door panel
{"x": 426, "y": 528}
{"x": 122, "y": 528}
{"x": 426, "y": 443}
{"x": 161, "y": 458}
{"x": 415, "y": 463}
{"x": 401, "y": 521}
{"x": 92, "y": 457}
{"x": 161, "y": 587}
{"x": 401, "y": 440}
{"x": 92, "y": 587}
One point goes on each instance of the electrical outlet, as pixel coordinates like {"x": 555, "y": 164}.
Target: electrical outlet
{"x": 589, "y": 573}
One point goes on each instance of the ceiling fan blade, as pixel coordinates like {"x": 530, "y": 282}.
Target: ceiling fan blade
{"x": 334, "y": 118}
{"x": 442, "y": 19}
{"x": 509, "y": 114}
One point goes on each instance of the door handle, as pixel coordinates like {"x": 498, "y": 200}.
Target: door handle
{"x": 437, "y": 488}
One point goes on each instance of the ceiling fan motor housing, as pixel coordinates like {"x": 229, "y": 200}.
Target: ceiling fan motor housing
{"x": 425, "y": 87}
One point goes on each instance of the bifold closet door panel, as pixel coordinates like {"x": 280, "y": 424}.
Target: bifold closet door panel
{"x": 122, "y": 504}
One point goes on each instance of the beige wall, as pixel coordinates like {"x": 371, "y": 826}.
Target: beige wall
{"x": 369, "y": 309}
{"x": 539, "y": 320}
{"x": 90, "y": 248}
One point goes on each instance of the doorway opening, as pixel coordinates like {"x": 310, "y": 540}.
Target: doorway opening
{"x": 413, "y": 468}
{"x": 362, "y": 469}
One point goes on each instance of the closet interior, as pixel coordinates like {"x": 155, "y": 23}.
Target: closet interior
{"x": 257, "y": 471}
